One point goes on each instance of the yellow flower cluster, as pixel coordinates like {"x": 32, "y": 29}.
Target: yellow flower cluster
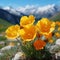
{"x": 57, "y": 34}
{"x": 28, "y": 31}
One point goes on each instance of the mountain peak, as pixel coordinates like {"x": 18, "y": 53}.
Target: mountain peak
{"x": 11, "y": 10}
{"x": 51, "y": 9}
{"x": 7, "y": 8}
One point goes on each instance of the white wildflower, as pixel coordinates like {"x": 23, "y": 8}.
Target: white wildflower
{"x": 19, "y": 55}
{"x": 58, "y": 42}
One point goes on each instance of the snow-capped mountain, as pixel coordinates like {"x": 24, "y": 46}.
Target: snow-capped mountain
{"x": 13, "y": 15}
{"x": 41, "y": 11}
{"x": 11, "y": 10}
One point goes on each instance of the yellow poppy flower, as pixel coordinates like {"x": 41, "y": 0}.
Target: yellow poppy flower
{"x": 27, "y": 21}
{"x": 48, "y": 36}
{"x": 39, "y": 44}
{"x": 57, "y": 34}
{"x": 45, "y": 26}
{"x": 28, "y": 34}
{"x": 50, "y": 41}
{"x": 12, "y": 32}
{"x": 58, "y": 28}
{"x": 58, "y": 23}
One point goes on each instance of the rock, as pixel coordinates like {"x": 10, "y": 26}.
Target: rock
{"x": 1, "y": 34}
{"x": 57, "y": 55}
{"x": 6, "y": 48}
{"x": 2, "y": 42}
{"x": 1, "y": 54}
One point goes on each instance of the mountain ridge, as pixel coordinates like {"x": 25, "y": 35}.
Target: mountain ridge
{"x": 56, "y": 17}
{"x": 13, "y": 15}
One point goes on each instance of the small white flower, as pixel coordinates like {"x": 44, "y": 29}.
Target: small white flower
{"x": 58, "y": 42}
{"x": 19, "y": 55}
{"x": 18, "y": 44}
{"x": 54, "y": 48}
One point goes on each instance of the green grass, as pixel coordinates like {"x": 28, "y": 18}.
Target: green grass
{"x": 2, "y": 38}
{"x": 3, "y": 25}
{"x": 56, "y": 17}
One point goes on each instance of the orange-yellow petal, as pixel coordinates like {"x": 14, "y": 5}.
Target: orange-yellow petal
{"x": 50, "y": 41}
{"x": 49, "y": 35}
{"x": 58, "y": 28}
{"x": 58, "y": 23}
{"x": 39, "y": 44}
{"x": 28, "y": 34}
{"x": 57, "y": 35}
{"x": 45, "y": 26}
{"x": 27, "y": 21}
{"x": 12, "y": 32}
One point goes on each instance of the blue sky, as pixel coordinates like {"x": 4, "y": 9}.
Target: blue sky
{"x": 18, "y": 3}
